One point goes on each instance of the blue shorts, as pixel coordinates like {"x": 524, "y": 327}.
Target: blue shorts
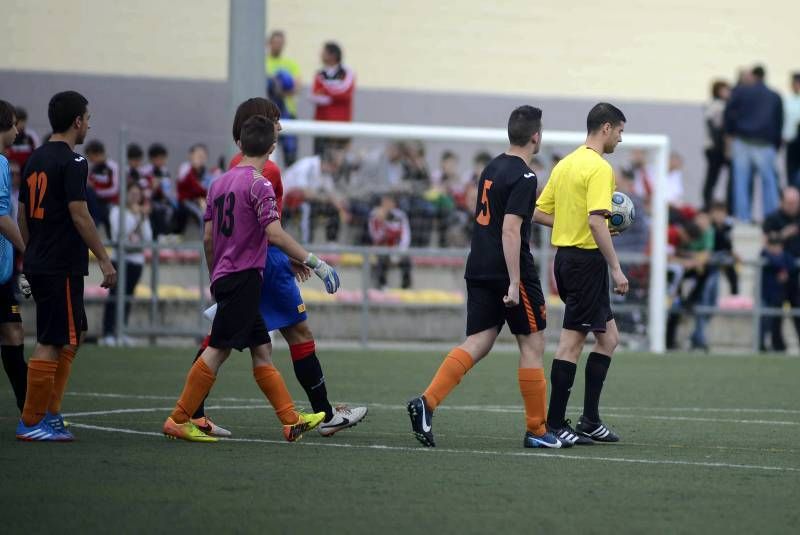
{"x": 281, "y": 304}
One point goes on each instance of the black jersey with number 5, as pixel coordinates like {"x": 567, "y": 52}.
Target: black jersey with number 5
{"x": 54, "y": 176}
{"x": 506, "y": 186}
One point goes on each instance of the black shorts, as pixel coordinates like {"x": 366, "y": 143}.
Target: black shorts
{"x": 238, "y": 323}
{"x": 485, "y": 307}
{"x": 60, "y": 314}
{"x": 9, "y": 306}
{"x": 582, "y": 281}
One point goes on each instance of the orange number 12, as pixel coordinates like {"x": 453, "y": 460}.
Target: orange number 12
{"x": 37, "y": 182}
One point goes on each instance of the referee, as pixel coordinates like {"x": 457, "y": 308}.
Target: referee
{"x": 576, "y": 202}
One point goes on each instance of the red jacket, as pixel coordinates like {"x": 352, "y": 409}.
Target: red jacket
{"x": 333, "y": 93}
{"x": 190, "y": 184}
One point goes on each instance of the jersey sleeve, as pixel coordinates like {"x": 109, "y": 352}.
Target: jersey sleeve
{"x": 75, "y": 175}
{"x": 263, "y": 198}
{"x": 522, "y": 197}
{"x": 547, "y": 200}
{"x": 5, "y": 187}
{"x": 599, "y": 188}
{"x": 207, "y": 216}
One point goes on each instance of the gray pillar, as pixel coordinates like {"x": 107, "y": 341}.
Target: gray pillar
{"x": 246, "y": 75}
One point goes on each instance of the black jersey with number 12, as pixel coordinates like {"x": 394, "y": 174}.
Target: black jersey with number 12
{"x": 506, "y": 186}
{"x": 54, "y": 176}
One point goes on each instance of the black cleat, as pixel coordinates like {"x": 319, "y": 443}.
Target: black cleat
{"x": 421, "y": 417}
{"x": 569, "y": 437}
{"x": 596, "y": 431}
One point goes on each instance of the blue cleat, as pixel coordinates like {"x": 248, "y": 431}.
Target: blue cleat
{"x": 421, "y": 419}
{"x": 56, "y": 421}
{"x": 548, "y": 440}
{"x": 41, "y": 432}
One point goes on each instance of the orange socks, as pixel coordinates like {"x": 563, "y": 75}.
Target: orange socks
{"x": 65, "y": 359}
{"x": 198, "y": 385}
{"x": 40, "y": 387}
{"x": 455, "y": 365}
{"x": 271, "y": 384}
{"x": 533, "y": 387}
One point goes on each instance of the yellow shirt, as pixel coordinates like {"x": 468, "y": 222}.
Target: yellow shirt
{"x": 580, "y": 184}
{"x": 273, "y": 65}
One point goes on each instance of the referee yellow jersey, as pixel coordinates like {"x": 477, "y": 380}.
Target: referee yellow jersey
{"x": 581, "y": 184}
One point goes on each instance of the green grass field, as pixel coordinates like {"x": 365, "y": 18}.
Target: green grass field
{"x": 709, "y": 445}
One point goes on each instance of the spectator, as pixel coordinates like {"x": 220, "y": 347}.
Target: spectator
{"x": 479, "y": 163}
{"x": 310, "y": 192}
{"x": 754, "y": 118}
{"x": 775, "y": 274}
{"x": 137, "y": 231}
{"x": 706, "y": 274}
{"x": 674, "y": 193}
{"x": 162, "y": 199}
{"x": 388, "y": 227}
{"x": 103, "y": 184}
{"x": 636, "y": 238}
{"x": 642, "y": 175}
{"x": 135, "y": 161}
{"x": 283, "y": 84}
{"x": 332, "y": 93}
{"x": 791, "y": 131}
{"x": 724, "y": 256}
{"x": 16, "y": 181}
{"x": 25, "y": 142}
{"x": 446, "y": 185}
{"x": 716, "y": 157}
{"x": 194, "y": 178}
{"x": 784, "y": 226}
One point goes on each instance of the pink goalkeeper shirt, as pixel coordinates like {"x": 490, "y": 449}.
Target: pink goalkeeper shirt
{"x": 241, "y": 204}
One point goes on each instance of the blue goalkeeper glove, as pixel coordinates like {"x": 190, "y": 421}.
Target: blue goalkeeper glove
{"x": 325, "y": 272}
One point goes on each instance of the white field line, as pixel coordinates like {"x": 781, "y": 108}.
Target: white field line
{"x": 477, "y": 408}
{"x": 434, "y": 451}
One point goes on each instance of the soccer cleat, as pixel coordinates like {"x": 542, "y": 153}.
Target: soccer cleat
{"x": 185, "y": 431}
{"x": 210, "y": 428}
{"x": 596, "y": 431}
{"x": 568, "y": 436}
{"x": 421, "y": 420}
{"x": 41, "y": 432}
{"x": 343, "y": 417}
{"x": 547, "y": 440}
{"x": 305, "y": 422}
{"x": 56, "y": 421}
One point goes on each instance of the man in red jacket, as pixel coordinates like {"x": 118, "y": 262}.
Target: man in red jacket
{"x": 332, "y": 92}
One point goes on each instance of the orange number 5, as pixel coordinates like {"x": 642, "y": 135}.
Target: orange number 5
{"x": 37, "y": 183}
{"x": 484, "y": 216}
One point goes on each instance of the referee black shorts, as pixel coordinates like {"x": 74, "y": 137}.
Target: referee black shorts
{"x": 238, "y": 323}
{"x": 582, "y": 281}
{"x": 60, "y": 314}
{"x": 485, "y": 307}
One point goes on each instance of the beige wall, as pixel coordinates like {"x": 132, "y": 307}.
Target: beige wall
{"x": 631, "y": 49}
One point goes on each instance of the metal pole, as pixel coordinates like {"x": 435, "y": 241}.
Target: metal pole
{"x": 122, "y": 235}
{"x": 155, "y": 260}
{"x": 246, "y": 69}
{"x": 756, "y": 326}
{"x": 658, "y": 254}
{"x": 365, "y": 300}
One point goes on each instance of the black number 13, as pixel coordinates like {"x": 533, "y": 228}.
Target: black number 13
{"x": 225, "y": 213}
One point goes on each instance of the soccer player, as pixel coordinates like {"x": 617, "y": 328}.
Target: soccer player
{"x": 502, "y": 285}
{"x": 57, "y": 228}
{"x": 241, "y": 218}
{"x": 282, "y": 306}
{"x": 12, "y": 337}
{"x": 576, "y": 202}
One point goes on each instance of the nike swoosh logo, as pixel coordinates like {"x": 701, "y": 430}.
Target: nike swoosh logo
{"x": 345, "y": 422}
{"x": 425, "y": 426}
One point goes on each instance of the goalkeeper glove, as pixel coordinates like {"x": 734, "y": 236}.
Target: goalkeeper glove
{"x": 324, "y": 271}
{"x": 23, "y": 286}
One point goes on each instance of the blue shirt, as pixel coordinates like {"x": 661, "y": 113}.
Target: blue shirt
{"x": 6, "y": 248}
{"x": 755, "y": 112}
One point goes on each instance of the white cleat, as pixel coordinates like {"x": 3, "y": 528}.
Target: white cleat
{"x": 343, "y": 417}
{"x": 210, "y": 428}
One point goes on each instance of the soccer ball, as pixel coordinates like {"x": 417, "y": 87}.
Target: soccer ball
{"x": 623, "y": 213}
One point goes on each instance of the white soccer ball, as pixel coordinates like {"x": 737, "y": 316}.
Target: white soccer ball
{"x": 623, "y": 213}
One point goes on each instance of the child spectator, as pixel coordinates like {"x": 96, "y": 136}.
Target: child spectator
{"x": 310, "y": 192}
{"x": 724, "y": 256}
{"x": 25, "y": 142}
{"x": 388, "y": 227}
{"x": 446, "y": 185}
{"x": 162, "y": 199}
{"x": 135, "y": 161}
{"x": 193, "y": 180}
{"x": 103, "y": 184}
{"x": 774, "y": 276}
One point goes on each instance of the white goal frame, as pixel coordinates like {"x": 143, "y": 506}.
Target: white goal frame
{"x": 659, "y": 144}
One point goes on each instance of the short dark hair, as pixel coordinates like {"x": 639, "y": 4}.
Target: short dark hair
{"x": 759, "y": 72}
{"x": 601, "y": 114}
{"x": 135, "y": 152}
{"x": 796, "y": 77}
{"x": 95, "y": 147}
{"x": 717, "y": 87}
{"x": 256, "y": 106}
{"x": 333, "y": 48}
{"x": 258, "y": 135}
{"x": 64, "y": 108}
{"x": 8, "y": 116}
{"x": 523, "y": 123}
{"x": 22, "y": 113}
{"x": 448, "y": 154}
{"x": 718, "y": 205}
{"x": 197, "y": 146}
{"x": 277, "y": 33}
{"x": 482, "y": 157}
{"x": 155, "y": 150}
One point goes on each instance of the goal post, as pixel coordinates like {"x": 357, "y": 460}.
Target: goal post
{"x": 656, "y": 145}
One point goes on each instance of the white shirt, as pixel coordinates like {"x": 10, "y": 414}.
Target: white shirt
{"x": 306, "y": 173}
{"x": 674, "y": 191}
{"x": 791, "y": 116}
{"x": 137, "y": 230}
